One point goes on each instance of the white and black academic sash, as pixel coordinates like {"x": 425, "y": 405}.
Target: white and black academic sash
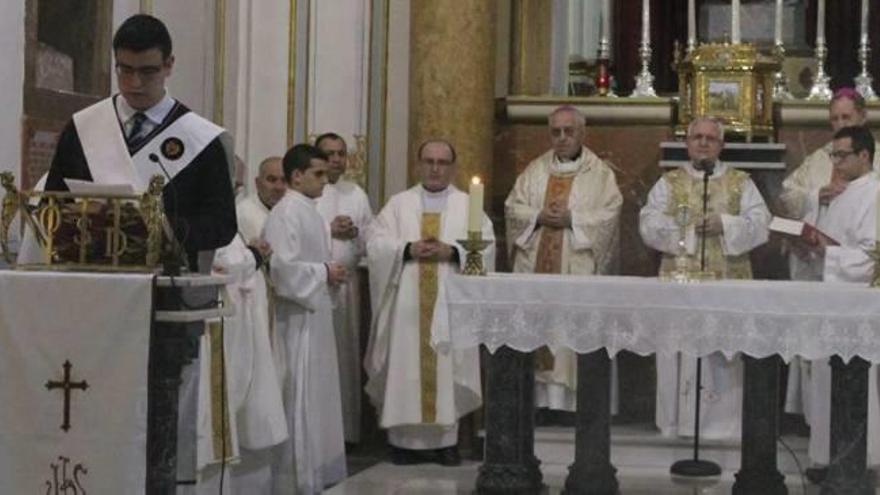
{"x": 108, "y": 156}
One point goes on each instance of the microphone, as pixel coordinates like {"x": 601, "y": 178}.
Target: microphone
{"x": 707, "y": 165}
{"x": 172, "y": 266}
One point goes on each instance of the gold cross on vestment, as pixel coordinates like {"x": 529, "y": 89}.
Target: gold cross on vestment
{"x": 68, "y": 386}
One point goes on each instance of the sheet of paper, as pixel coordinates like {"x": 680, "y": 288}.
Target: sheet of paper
{"x": 86, "y": 187}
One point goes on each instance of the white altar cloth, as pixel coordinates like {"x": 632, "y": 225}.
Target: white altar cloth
{"x": 89, "y": 436}
{"x": 645, "y": 315}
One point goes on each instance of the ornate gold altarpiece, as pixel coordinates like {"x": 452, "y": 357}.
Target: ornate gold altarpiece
{"x": 732, "y": 82}
{"x": 88, "y": 232}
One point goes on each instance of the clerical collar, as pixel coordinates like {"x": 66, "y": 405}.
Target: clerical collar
{"x": 567, "y": 167}
{"x": 433, "y": 201}
{"x": 720, "y": 168}
{"x": 155, "y": 113}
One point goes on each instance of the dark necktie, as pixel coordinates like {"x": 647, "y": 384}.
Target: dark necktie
{"x": 137, "y": 125}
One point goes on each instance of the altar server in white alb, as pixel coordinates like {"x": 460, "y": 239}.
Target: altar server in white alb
{"x": 142, "y": 131}
{"x": 816, "y": 174}
{"x": 736, "y": 223}
{"x": 345, "y": 207}
{"x": 420, "y": 393}
{"x": 850, "y": 218}
{"x": 562, "y": 217}
{"x": 303, "y": 276}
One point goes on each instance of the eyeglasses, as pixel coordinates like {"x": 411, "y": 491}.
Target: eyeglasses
{"x": 145, "y": 73}
{"x": 840, "y": 155}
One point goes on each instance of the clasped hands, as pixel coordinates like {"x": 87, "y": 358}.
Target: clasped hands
{"x": 430, "y": 249}
{"x": 555, "y": 215}
{"x": 337, "y": 274}
{"x": 713, "y": 226}
{"x": 342, "y": 227}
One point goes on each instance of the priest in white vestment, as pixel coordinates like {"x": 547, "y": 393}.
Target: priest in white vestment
{"x": 420, "y": 393}
{"x": 303, "y": 276}
{"x": 736, "y": 223}
{"x": 850, "y": 219}
{"x": 252, "y": 210}
{"x": 562, "y": 217}
{"x": 346, "y": 209}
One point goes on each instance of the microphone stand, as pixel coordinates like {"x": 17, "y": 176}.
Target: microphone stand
{"x": 695, "y": 466}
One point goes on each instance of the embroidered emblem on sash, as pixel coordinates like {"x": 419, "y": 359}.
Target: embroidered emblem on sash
{"x": 172, "y": 148}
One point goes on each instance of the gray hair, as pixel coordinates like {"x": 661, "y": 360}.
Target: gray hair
{"x": 707, "y": 118}
{"x": 578, "y": 116}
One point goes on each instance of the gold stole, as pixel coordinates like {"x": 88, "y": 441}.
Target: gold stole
{"x": 549, "y": 259}
{"x": 725, "y": 194}
{"x": 427, "y": 298}
{"x": 220, "y": 420}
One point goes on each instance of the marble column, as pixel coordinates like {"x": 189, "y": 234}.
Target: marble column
{"x": 509, "y": 465}
{"x": 452, "y": 82}
{"x": 592, "y": 472}
{"x": 758, "y": 471}
{"x": 847, "y": 473}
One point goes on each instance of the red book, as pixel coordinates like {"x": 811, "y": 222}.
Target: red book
{"x": 802, "y": 230}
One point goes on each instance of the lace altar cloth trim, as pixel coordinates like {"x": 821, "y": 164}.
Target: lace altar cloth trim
{"x": 644, "y": 315}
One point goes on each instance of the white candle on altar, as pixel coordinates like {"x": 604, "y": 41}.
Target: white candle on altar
{"x": 734, "y": 21}
{"x": 475, "y": 206}
{"x": 820, "y": 23}
{"x": 646, "y": 21}
{"x": 777, "y": 31}
{"x": 692, "y": 23}
{"x": 606, "y": 21}
{"x": 864, "y": 38}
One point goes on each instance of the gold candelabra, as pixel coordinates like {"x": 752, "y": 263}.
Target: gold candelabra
{"x": 474, "y": 244}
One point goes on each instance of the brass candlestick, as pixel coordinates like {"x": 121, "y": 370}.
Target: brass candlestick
{"x": 474, "y": 244}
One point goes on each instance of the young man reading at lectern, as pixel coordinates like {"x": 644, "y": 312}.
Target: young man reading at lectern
{"x": 142, "y": 131}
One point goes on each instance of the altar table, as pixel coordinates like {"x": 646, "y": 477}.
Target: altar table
{"x": 767, "y": 321}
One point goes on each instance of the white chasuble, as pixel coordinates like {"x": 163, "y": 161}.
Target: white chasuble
{"x": 348, "y": 199}
{"x": 73, "y": 356}
{"x": 744, "y": 218}
{"x": 314, "y": 456}
{"x": 420, "y": 393}
{"x": 587, "y": 248}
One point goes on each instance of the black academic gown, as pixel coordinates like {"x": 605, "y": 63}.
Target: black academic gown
{"x": 199, "y": 201}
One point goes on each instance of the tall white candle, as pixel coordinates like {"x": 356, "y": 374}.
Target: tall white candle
{"x": 777, "y": 31}
{"x": 606, "y": 20}
{"x": 646, "y": 21}
{"x": 734, "y": 21}
{"x": 692, "y": 23}
{"x": 475, "y": 206}
{"x": 865, "y": 3}
{"x": 820, "y": 23}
